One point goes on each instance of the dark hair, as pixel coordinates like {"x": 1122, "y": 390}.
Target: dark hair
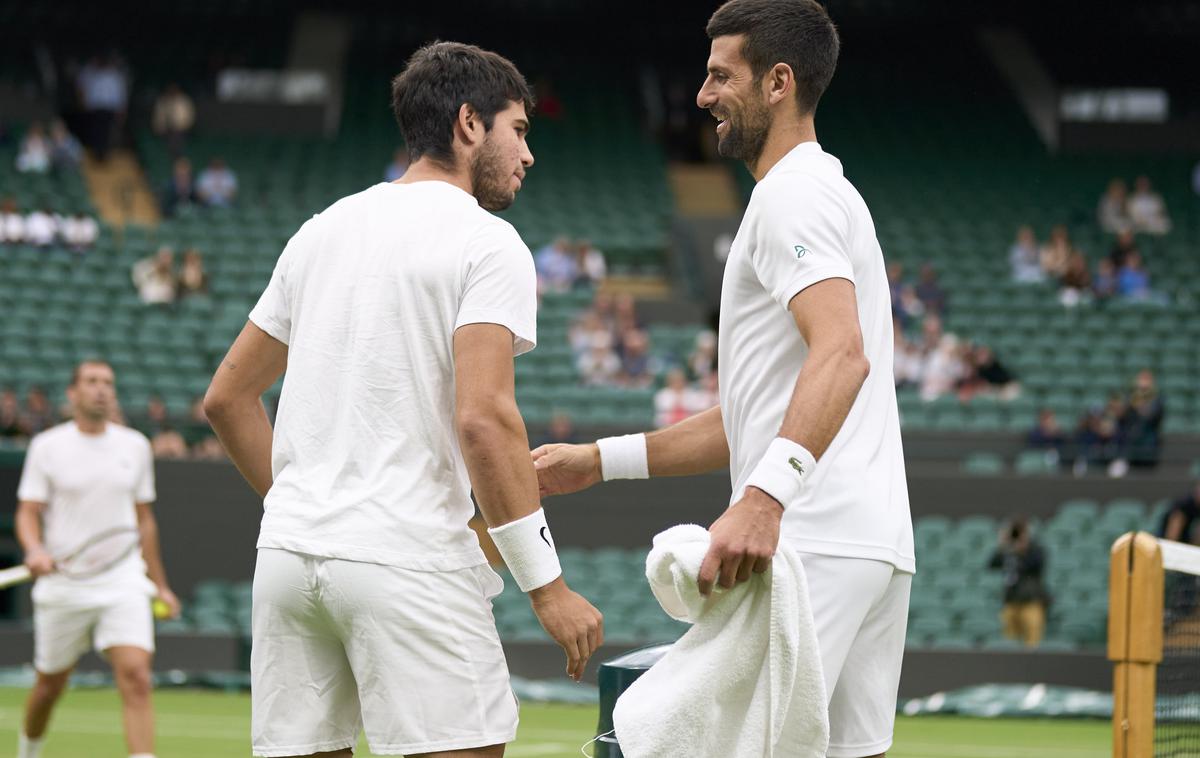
{"x": 77, "y": 373}
{"x": 435, "y": 83}
{"x": 796, "y": 32}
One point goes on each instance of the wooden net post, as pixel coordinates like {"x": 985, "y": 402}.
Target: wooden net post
{"x": 1135, "y": 640}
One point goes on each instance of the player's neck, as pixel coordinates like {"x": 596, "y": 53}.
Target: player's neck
{"x": 90, "y": 426}
{"x": 780, "y": 141}
{"x": 426, "y": 170}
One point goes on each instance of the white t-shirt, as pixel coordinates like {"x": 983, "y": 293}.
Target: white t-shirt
{"x": 89, "y": 483}
{"x": 805, "y": 223}
{"x": 367, "y": 296}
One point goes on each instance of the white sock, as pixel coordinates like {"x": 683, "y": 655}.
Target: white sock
{"x": 27, "y": 748}
{"x": 141, "y": 755}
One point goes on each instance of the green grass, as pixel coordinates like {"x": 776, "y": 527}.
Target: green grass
{"x": 193, "y": 724}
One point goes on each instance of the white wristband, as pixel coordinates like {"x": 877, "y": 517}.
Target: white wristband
{"x": 528, "y": 550}
{"x": 623, "y": 457}
{"x": 783, "y": 470}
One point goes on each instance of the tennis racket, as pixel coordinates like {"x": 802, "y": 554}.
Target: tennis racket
{"x": 96, "y": 555}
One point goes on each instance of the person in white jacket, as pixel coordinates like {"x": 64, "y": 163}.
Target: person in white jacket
{"x": 807, "y": 422}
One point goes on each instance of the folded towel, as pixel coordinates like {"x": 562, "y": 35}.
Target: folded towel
{"x": 745, "y": 681}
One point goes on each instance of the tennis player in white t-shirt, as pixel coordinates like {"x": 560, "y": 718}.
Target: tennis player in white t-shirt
{"x": 807, "y": 422}
{"x": 396, "y": 313}
{"x": 80, "y": 479}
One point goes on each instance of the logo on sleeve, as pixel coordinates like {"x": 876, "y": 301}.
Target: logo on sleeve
{"x": 545, "y": 537}
{"x": 796, "y": 464}
{"x": 801, "y": 250}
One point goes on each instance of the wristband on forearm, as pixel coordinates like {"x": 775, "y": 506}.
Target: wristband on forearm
{"x": 528, "y": 550}
{"x": 783, "y": 470}
{"x": 623, "y": 457}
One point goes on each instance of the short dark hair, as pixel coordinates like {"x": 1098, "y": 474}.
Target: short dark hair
{"x": 77, "y": 373}
{"x": 435, "y": 83}
{"x": 799, "y": 33}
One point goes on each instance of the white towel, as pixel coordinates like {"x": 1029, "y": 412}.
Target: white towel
{"x": 745, "y": 681}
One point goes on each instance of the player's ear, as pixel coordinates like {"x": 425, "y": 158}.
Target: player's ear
{"x": 469, "y": 125}
{"x": 779, "y": 83}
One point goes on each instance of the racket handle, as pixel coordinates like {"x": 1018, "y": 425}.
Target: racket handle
{"x": 14, "y": 575}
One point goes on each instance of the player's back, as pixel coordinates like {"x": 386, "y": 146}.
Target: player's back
{"x": 367, "y": 296}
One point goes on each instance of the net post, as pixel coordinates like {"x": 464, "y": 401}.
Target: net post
{"x": 1135, "y": 640}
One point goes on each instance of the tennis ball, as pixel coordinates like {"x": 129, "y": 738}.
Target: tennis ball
{"x": 161, "y": 609}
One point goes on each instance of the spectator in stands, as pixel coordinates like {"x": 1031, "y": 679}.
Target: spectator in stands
{"x": 931, "y": 294}
{"x": 104, "y": 94}
{"x": 208, "y": 449}
{"x": 1104, "y": 285}
{"x": 168, "y": 444}
{"x": 155, "y": 277}
{"x": 1181, "y": 519}
{"x": 561, "y": 430}
{"x": 1024, "y": 257}
{"x": 173, "y": 119}
{"x": 11, "y": 428}
{"x": 986, "y": 375}
{"x": 1022, "y": 560}
{"x": 1056, "y": 252}
{"x": 1076, "y": 281}
{"x": 1147, "y": 211}
{"x": 556, "y": 267}
{"x": 1133, "y": 281}
{"x": 193, "y": 280}
{"x": 1046, "y": 433}
{"x": 931, "y": 334}
{"x": 33, "y": 157}
{"x": 65, "y": 151}
{"x": 625, "y": 316}
{"x": 79, "y": 231}
{"x": 909, "y": 307}
{"x": 1113, "y": 211}
{"x": 1140, "y": 426}
{"x": 895, "y": 275}
{"x": 600, "y": 365}
{"x": 703, "y": 360}
{"x": 638, "y": 366}
{"x": 943, "y": 370}
{"x": 675, "y": 401}
{"x": 41, "y": 228}
{"x": 582, "y": 334}
{"x": 397, "y": 167}
{"x": 590, "y": 264}
{"x": 907, "y": 360}
{"x": 217, "y": 185}
{"x": 1096, "y": 440}
{"x": 181, "y": 189}
{"x": 39, "y": 414}
{"x": 1123, "y": 245}
{"x": 12, "y": 223}
{"x": 605, "y": 308}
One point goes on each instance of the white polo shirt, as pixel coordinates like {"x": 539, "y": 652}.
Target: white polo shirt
{"x": 805, "y": 223}
{"x": 89, "y": 483}
{"x": 367, "y": 296}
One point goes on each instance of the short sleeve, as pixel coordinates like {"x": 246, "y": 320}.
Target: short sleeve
{"x": 802, "y": 236}
{"x": 35, "y": 483}
{"x": 273, "y": 312}
{"x": 500, "y": 286}
{"x": 145, "y": 492}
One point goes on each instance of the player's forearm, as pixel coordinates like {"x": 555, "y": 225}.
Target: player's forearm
{"x": 151, "y": 554}
{"x": 495, "y": 448}
{"x": 245, "y": 432}
{"x": 825, "y": 392}
{"x": 28, "y": 526}
{"x": 696, "y": 445}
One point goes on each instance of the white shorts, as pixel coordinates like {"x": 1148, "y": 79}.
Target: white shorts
{"x": 860, "y": 608}
{"x": 412, "y": 657}
{"x": 63, "y": 633}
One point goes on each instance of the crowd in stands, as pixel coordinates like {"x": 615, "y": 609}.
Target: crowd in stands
{"x": 565, "y": 264}
{"x": 215, "y": 187}
{"x": 1126, "y": 430}
{"x": 43, "y": 227}
{"x": 170, "y": 438}
{"x": 1121, "y": 274}
{"x": 42, "y": 152}
{"x": 159, "y": 282}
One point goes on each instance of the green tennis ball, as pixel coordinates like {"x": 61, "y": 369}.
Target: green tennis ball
{"x": 161, "y": 609}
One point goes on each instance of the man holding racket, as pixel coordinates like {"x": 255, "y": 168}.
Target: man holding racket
{"x": 84, "y": 503}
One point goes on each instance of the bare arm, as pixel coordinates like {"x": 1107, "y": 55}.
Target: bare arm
{"x": 28, "y": 526}
{"x": 695, "y": 445}
{"x": 745, "y": 537}
{"x": 234, "y": 404}
{"x": 152, "y": 555}
{"x": 495, "y": 447}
